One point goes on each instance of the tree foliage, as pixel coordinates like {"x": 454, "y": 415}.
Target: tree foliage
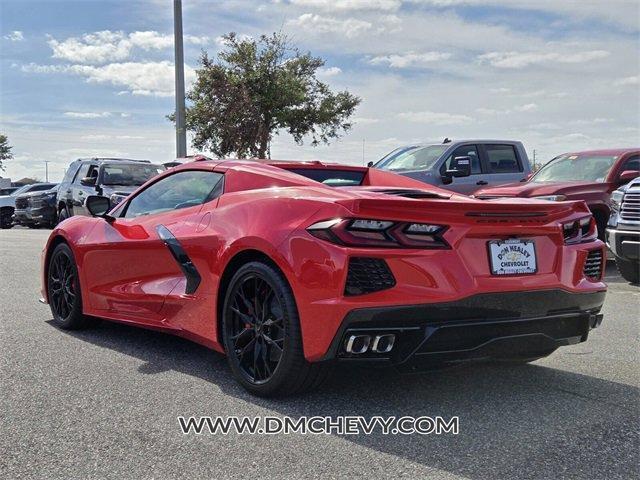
{"x": 5, "y": 150}
{"x": 258, "y": 88}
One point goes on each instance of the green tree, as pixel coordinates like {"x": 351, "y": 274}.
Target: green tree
{"x": 258, "y": 88}
{"x": 5, "y": 150}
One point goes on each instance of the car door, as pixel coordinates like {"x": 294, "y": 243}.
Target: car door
{"x": 133, "y": 263}
{"x": 79, "y": 191}
{"x": 502, "y": 164}
{"x": 464, "y": 185}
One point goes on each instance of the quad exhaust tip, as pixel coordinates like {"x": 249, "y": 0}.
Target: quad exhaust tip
{"x": 359, "y": 344}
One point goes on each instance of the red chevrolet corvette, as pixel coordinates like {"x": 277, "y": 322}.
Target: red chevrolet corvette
{"x": 289, "y": 268}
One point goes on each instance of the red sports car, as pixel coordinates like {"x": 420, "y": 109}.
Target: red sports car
{"x": 289, "y": 268}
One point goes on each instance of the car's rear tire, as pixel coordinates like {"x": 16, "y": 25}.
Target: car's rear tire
{"x": 629, "y": 270}
{"x": 63, "y": 214}
{"x": 6, "y": 215}
{"x": 63, "y": 291}
{"x": 262, "y": 337}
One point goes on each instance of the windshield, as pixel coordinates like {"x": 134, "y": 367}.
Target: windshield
{"x": 129, "y": 175}
{"x": 22, "y": 189}
{"x": 420, "y": 158}
{"x": 393, "y": 154}
{"x": 576, "y": 168}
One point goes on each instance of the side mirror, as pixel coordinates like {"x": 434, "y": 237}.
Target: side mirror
{"x": 628, "y": 175}
{"x": 460, "y": 167}
{"x": 98, "y": 206}
{"x": 370, "y": 164}
{"x": 88, "y": 181}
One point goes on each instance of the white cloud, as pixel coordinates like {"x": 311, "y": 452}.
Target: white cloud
{"x": 109, "y": 46}
{"x": 349, "y": 27}
{"x": 349, "y": 5}
{"x": 15, "y": 36}
{"x": 623, "y": 82}
{"x": 529, "y": 107}
{"x": 139, "y": 78}
{"x": 329, "y": 71}
{"x": 526, "y": 59}
{"x": 435, "y": 118}
{"x": 410, "y": 59}
{"x": 87, "y": 115}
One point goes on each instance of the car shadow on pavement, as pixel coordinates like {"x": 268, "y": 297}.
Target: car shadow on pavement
{"x": 612, "y": 276}
{"x": 527, "y": 421}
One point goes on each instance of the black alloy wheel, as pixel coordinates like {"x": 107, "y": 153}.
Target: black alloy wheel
{"x": 62, "y": 285}
{"x": 261, "y": 334}
{"x": 63, "y": 290}
{"x": 257, "y": 328}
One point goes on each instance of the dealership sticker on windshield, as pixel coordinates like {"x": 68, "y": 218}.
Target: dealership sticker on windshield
{"x": 512, "y": 257}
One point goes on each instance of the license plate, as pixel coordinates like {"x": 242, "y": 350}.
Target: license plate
{"x": 512, "y": 257}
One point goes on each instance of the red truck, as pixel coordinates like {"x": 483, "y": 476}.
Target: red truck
{"x": 590, "y": 176}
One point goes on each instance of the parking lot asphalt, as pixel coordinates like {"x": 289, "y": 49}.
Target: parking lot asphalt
{"x": 103, "y": 403}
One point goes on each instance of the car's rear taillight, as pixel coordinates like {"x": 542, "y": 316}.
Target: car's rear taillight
{"x": 360, "y": 232}
{"x": 579, "y": 231}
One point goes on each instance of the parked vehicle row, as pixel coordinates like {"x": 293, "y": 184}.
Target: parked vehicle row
{"x": 8, "y": 202}
{"x": 487, "y": 169}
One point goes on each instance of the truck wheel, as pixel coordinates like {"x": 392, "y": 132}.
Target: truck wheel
{"x": 63, "y": 215}
{"x": 629, "y": 269}
{"x": 5, "y": 217}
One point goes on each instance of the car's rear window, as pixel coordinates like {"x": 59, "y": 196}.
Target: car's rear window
{"x": 331, "y": 177}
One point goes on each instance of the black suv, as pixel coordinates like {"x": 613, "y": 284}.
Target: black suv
{"x": 623, "y": 231}
{"x": 114, "y": 178}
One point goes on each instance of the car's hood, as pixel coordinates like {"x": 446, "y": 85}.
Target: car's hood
{"x": 535, "y": 189}
{"x": 36, "y": 194}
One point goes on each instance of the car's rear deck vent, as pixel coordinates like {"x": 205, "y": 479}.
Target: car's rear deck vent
{"x": 367, "y": 275}
{"x": 403, "y": 192}
{"x": 593, "y": 265}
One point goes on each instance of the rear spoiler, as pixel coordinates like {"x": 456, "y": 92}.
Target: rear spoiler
{"x": 458, "y": 206}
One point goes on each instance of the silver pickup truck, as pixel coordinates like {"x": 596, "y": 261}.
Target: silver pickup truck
{"x": 463, "y": 166}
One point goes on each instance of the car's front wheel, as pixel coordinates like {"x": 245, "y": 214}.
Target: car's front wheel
{"x": 63, "y": 289}
{"x": 261, "y": 334}
{"x": 629, "y": 270}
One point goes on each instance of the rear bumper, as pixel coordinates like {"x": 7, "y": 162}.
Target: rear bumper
{"x": 481, "y": 326}
{"x": 624, "y": 243}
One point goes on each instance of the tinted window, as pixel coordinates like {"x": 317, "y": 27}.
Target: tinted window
{"x": 631, "y": 163}
{"x": 127, "y": 174}
{"x": 465, "y": 151}
{"x": 502, "y": 159}
{"x": 180, "y": 190}
{"x": 334, "y": 178}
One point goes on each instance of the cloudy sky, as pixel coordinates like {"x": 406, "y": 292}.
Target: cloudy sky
{"x": 95, "y": 78}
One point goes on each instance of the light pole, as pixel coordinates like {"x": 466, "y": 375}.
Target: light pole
{"x": 46, "y": 171}
{"x": 181, "y": 134}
